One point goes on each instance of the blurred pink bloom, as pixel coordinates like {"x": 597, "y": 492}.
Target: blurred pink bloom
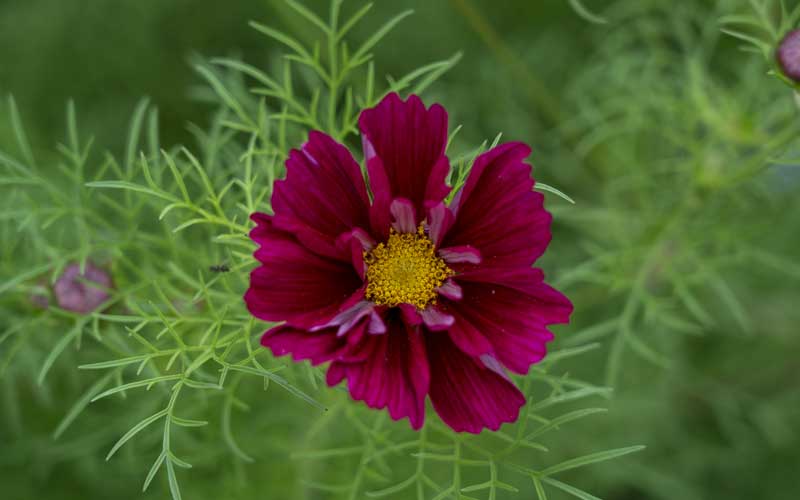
{"x": 788, "y": 55}
{"x": 82, "y": 293}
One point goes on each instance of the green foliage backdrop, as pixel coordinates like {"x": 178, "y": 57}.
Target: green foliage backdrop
{"x": 664, "y": 137}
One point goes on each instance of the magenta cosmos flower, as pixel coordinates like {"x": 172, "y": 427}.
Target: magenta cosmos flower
{"x": 405, "y": 296}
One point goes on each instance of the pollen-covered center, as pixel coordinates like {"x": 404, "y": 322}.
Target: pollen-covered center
{"x": 405, "y": 269}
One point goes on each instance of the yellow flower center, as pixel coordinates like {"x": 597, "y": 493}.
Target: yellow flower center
{"x": 404, "y": 270}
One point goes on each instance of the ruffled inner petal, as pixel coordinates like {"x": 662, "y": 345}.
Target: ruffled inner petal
{"x": 404, "y": 215}
{"x": 440, "y": 218}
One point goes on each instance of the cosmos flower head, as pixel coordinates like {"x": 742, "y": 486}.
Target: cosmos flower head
{"x": 788, "y": 55}
{"x": 407, "y": 297}
{"x": 82, "y": 292}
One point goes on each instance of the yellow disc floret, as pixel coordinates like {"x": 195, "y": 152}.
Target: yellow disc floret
{"x": 405, "y": 269}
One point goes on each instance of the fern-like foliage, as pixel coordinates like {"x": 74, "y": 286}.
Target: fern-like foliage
{"x": 174, "y": 356}
{"x": 761, "y": 27}
{"x": 709, "y": 156}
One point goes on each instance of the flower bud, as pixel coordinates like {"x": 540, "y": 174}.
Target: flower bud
{"x": 788, "y": 55}
{"x": 82, "y": 293}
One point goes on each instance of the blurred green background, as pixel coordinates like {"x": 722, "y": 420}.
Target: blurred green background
{"x": 675, "y": 144}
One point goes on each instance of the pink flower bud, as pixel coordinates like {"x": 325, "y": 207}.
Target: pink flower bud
{"x": 82, "y": 293}
{"x": 788, "y": 55}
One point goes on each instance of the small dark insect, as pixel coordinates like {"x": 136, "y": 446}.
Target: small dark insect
{"x": 219, "y": 268}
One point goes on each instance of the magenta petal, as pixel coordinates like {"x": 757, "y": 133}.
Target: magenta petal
{"x": 367, "y": 242}
{"x": 405, "y": 219}
{"x": 410, "y": 315}
{"x": 379, "y": 213}
{"x": 263, "y": 230}
{"x": 465, "y": 254}
{"x": 513, "y": 318}
{"x": 324, "y": 192}
{"x": 394, "y": 373}
{"x": 466, "y": 336}
{"x": 437, "y": 189}
{"x": 497, "y": 211}
{"x": 440, "y": 218}
{"x": 353, "y": 314}
{"x": 376, "y": 325}
{"x": 435, "y": 319}
{"x": 410, "y": 141}
{"x": 468, "y": 395}
{"x": 310, "y": 237}
{"x": 551, "y": 304}
{"x": 451, "y": 290}
{"x": 491, "y": 363}
{"x": 356, "y": 242}
{"x": 293, "y": 284}
{"x": 336, "y": 373}
{"x": 318, "y": 347}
